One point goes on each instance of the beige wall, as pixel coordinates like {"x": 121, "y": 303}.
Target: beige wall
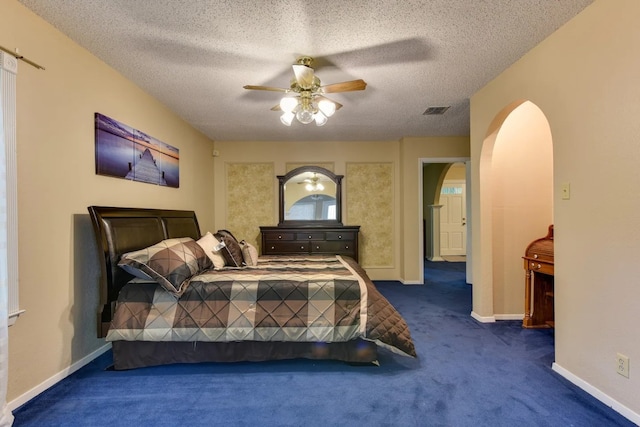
{"x": 56, "y": 182}
{"x": 584, "y": 79}
{"x": 382, "y": 173}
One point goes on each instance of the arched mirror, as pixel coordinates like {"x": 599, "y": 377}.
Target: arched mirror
{"x": 310, "y": 195}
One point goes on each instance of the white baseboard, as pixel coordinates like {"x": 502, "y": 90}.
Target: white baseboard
{"x": 509, "y": 316}
{"x": 598, "y": 394}
{"x": 483, "y": 319}
{"x": 24, "y": 398}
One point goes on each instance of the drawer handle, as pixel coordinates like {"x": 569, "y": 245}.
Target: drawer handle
{"x": 309, "y": 236}
{"x": 273, "y": 247}
{"x": 340, "y": 237}
{"x": 302, "y": 247}
{"x": 279, "y": 236}
{"x": 318, "y": 247}
{"x": 346, "y": 247}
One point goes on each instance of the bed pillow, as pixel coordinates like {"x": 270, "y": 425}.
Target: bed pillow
{"x": 211, "y": 247}
{"x": 171, "y": 263}
{"x": 231, "y": 251}
{"x": 136, "y": 272}
{"x": 249, "y": 253}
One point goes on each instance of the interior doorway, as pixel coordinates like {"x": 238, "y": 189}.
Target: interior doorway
{"x": 445, "y": 193}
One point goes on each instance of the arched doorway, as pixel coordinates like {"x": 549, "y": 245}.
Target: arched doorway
{"x": 516, "y": 206}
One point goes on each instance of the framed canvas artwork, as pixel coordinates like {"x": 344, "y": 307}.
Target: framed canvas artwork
{"x": 124, "y": 152}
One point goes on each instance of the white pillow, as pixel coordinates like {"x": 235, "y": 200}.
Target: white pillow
{"x": 211, "y": 247}
{"x": 249, "y": 253}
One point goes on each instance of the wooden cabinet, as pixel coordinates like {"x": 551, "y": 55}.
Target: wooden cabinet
{"x": 539, "y": 283}
{"x": 318, "y": 240}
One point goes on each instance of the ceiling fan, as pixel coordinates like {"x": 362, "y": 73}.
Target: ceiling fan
{"x": 305, "y": 98}
{"x": 312, "y": 184}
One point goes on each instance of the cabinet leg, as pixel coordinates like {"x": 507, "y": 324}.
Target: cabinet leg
{"x": 526, "y": 322}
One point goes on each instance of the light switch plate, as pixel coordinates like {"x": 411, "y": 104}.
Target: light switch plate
{"x": 566, "y": 191}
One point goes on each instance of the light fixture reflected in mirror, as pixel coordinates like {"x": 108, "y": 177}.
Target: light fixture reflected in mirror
{"x": 314, "y": 186}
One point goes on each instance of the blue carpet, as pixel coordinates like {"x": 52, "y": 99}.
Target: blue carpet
{"x": 467, "y": 374}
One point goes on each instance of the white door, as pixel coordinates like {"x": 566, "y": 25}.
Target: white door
{"x": 453, "y": 222}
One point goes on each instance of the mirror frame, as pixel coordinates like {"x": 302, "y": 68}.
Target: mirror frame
{"x": 337, "y": 179}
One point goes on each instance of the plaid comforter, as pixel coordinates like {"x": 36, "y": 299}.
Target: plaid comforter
{"x": 298, "y": 299}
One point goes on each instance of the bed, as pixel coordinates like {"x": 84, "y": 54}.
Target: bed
{"x": 263, "y": 308}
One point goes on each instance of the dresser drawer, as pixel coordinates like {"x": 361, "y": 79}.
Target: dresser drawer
{"x": 340, "y": 235}
{"x": 310, "y": 235}
{"x": 285, "y": 247}
{"x": 333, "y": 247}
{"x": 540, "y": 267}
{"x": 279, "y": 236}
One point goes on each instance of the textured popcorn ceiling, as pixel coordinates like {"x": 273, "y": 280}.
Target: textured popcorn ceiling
{"x": 195, "y": 56}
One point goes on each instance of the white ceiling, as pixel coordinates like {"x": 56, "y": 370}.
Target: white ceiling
{"x": 196, "y": 55}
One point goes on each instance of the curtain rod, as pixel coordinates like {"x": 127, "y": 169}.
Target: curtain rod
{"x": 22, "y": 58}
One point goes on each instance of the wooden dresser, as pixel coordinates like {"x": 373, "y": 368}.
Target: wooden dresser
{"x": 539, "y": 283}
{"x": 317, "y": 240}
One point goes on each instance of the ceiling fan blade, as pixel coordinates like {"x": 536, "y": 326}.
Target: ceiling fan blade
{"x": 304, "y": 76}
{"x": 273, "y": 89}
{"x": 276, "y": 108}
{"x": 345, "y": 86}
{"x": 320, "y": 98}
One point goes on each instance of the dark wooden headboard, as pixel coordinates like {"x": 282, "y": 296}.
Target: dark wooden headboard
{"x": 122, "y": 230}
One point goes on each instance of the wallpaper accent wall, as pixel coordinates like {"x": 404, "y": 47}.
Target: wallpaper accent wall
{"x": 250, "y": 199}
{"x": 292, "y": 166}
{"x": 369, "y": 191}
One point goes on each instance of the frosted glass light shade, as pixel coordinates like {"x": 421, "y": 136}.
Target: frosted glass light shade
{"x": 320, "y": 118}
{"x": 327, "y": 107}
{"x": 287, "y": 118}
{"x": 288, "y": 104}
{"x": 304, "y": 116}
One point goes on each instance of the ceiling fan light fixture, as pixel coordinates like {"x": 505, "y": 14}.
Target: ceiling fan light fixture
{"x": 304, "y": 116}
{"x": 288, "y": 104}
{"x": 320, "y": 118}
{"x": 287, "y": 118}
{"x": 327, "y": 107}
{"x": 308, "y": 104}
{"x": 314, "y": 187}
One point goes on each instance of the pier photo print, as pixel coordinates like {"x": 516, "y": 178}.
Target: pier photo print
{"x": 124, "y": 152}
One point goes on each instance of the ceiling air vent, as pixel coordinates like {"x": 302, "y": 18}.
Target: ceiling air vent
{"x": 435, "y": 111}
